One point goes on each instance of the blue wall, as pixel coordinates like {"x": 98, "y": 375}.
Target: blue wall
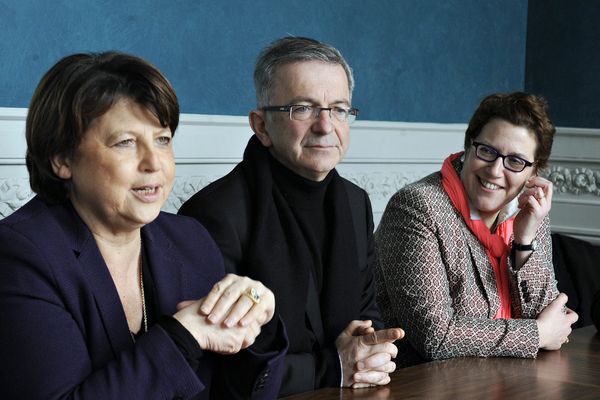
{"x": 421, "y": 60}
{"x": 563, "y": 59}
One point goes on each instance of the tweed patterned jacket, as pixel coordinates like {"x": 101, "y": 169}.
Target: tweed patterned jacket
{"x": 435, "y": 281}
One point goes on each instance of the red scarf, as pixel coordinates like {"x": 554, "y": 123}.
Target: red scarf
{"x": 496, "y": 244}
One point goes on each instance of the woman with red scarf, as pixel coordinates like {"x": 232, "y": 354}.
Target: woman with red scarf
{"x": 465, "y": 256}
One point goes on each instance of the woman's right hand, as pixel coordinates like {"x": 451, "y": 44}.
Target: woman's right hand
{"x": 217, "y": 338}
{"x": 554, "y": 323}
{"x": 230, "y": 302}
{"x": 535, "y": 202}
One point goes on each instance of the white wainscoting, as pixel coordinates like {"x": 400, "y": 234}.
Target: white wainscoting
{"x": 383, "y": 157}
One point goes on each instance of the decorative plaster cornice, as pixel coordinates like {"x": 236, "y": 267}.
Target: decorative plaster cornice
{"x": 184, "y": 187}
{"x": 576, "y": 181}
{"x": 14, "y": 192}
{"x": 380, "y": 185}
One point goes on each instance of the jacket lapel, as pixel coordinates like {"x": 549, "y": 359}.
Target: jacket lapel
{"x": 167, "y": 269}
{"x": 105, "y": 293}
{"x": 99, "y": 281}
{"x": 485, "y": 271}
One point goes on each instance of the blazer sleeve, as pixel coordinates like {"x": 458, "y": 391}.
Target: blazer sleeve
{"x": 44, "y": 350}
{"x": 533, "y": 286}
{"x": 415, "y": 289}
{"x": 254, "y": 373}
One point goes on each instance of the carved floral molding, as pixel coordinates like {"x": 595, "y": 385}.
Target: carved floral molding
{"x": 577, "y": 181}
{"x": 381, "y": 185}
{"x": 184, "y": 187}
{"x": 14, "y": 192}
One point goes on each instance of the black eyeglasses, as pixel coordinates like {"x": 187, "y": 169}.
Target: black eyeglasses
{"x": 302, "y": 112}
{"x": 490, "y": 154}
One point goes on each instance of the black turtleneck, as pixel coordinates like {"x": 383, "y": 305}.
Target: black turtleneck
{"x": 306, "y": 199}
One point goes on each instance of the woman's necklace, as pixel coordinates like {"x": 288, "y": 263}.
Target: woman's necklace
{"x": 144, "y": 315}
{"x": 141, "y": 278}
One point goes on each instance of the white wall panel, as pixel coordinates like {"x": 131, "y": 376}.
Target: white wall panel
{"x": 383, "y": 157}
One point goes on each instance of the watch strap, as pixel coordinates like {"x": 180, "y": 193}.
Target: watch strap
{"x": 524, "y": 247}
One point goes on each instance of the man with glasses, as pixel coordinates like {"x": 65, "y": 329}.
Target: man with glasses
{"x": 286, "y": 217}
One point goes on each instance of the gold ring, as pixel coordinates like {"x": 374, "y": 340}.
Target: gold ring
{"x": 253, "y": 295}
{"x": 567, "y": 340}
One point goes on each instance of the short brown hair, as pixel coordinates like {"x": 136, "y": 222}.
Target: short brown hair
{"x": 520, "y": 109}
{"x": 72, "y": 94}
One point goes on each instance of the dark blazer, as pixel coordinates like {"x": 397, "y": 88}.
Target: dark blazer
{"x": 595, "y": 311}
{"x": 576, "y": 268}
{"x": 63, "y": 330}
{"x": 435, "y": 280}
{"x": 224, "y": 208}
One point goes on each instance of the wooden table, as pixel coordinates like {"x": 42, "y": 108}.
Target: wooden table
{"x": 570, "y": 373}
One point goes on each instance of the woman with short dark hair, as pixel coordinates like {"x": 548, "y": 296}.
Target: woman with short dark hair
{"x": 102, "y": 295}
{"x": 464, "y": 255}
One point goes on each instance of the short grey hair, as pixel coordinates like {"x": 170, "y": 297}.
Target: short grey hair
{"x": 288, "y": 50}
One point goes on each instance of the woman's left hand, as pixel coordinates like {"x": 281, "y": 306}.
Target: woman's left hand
{"x": 238, "y": 299}
{"x": 535, "y": 203}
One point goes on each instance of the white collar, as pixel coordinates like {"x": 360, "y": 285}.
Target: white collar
{"x": 511, "y": 209}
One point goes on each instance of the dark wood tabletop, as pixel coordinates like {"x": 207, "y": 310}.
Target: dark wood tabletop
{"x": 570, "y": 373}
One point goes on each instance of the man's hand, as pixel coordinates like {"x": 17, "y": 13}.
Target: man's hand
{"x": 366, "y": 354}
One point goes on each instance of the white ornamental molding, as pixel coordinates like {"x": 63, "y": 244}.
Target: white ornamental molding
{"x": 577, "y": 181}
{"x": 382, "y": 185}
{"x": 14, "y": 192}
{"x": 379, "y": 185}
{"x": 184, "y": 187}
